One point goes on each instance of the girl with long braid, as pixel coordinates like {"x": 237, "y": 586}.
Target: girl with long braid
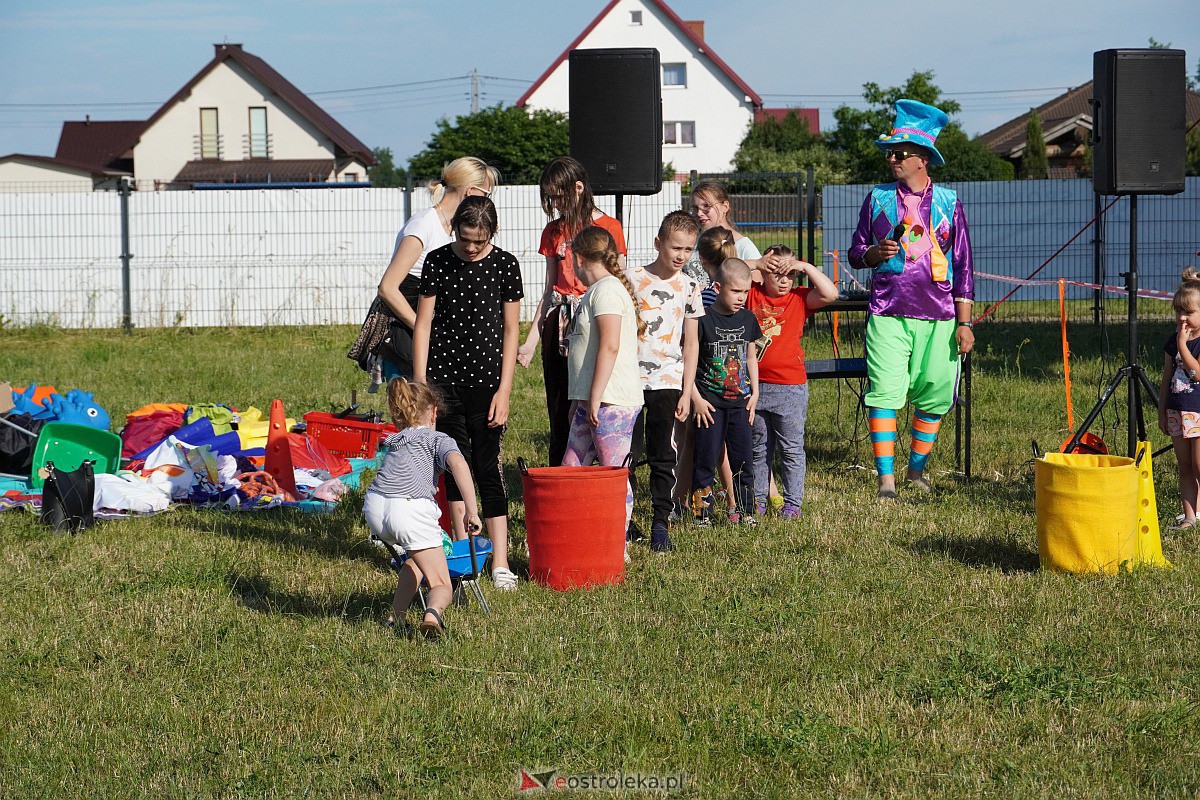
{"x": 604, "y": 382}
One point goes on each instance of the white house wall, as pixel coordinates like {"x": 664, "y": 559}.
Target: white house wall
{"x": 171, "y": 142}
{"x": 18, "y": 176}
{"x": 721, "y": 111}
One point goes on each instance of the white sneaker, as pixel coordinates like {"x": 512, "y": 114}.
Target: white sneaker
{"x": 504, "y": 579}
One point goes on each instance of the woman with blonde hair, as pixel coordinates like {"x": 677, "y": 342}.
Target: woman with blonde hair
{"x": 712, "y": 208}
{"x": 424, "y": 232}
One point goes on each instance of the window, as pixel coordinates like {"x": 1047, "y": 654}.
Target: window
{"x": 350, "y": 177}
{"x": 674, "y": 75}
{"x": 258, "y": 134}
{"x": 635, "y": 17}
{"x": 210, "y": 137}
{"x": 679, "y": 133}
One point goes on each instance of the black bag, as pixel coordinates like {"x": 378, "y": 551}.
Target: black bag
{"x": 68, "y": 497}
{"x": 16, "y": 448}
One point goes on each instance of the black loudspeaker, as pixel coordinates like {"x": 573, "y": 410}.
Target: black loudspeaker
{"x": 616, "y": 118}
{"x": 1138, "y": 121}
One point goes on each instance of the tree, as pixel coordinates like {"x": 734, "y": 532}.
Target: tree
{"x": 1192, "y": 154}
{"x": 788, "y": 146}
{"x": 968, "y": 159}
{"x": 385, "y": 173}
{"x": 857, "y": 129}
{"x": 1034, "y": 164}
{"x": 1193, "y": 81}
{"x": 516, "y": 141}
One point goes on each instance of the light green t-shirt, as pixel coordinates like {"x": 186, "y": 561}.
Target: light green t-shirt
{"x": 605, "y": 296}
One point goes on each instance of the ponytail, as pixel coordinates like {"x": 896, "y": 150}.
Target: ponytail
{"x": 410, "y": 402}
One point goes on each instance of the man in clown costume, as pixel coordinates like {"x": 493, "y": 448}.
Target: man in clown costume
{"x": 913, "y": 236}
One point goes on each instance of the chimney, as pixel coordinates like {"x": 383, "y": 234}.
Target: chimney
{"x": 696, "y": 26}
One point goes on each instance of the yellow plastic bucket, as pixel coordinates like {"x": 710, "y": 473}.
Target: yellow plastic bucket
{"x": 1087, "y": 512}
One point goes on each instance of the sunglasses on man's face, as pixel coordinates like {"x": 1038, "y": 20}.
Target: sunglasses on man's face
{"x": 901, "y": 155}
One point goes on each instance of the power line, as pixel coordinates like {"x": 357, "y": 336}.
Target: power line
{"x": 803, "y": 96}
{"x": 389, "y": 86}
{"x": 78, "y": 105}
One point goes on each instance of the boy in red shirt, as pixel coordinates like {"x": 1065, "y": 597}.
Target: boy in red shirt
{"x": 781, "y": 309}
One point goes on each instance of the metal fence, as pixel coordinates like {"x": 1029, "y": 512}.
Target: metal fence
{"x": 314, "y": 256}
{"x": 1017, "y": 225}
{"x": 249, "y": 257}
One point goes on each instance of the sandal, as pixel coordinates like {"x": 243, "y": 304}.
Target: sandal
{"x": 433, "y": 631}
{"x": 1183, "y": 525}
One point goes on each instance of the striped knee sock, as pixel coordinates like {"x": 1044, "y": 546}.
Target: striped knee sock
{"x": 924, "y": 432}
{"x": 882, "y": 422}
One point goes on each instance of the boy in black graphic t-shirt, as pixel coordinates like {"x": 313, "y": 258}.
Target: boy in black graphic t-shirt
{"x": 725, "y": 392}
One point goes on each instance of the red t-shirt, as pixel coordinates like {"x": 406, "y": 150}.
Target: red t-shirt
{"x": 780, "y": 354}
{"x": 555, "y": 244}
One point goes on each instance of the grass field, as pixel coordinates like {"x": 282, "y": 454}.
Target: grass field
{"x": 903, "y": 651}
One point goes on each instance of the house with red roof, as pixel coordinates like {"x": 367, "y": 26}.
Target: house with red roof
{"x": 1066, "y": 129}
{"x": 236, "y": 121}
{"x": 707, "y": 108}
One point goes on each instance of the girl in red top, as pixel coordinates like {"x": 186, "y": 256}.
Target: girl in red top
{"x": 565, "y": 191}
{"x": 779, "y": 418}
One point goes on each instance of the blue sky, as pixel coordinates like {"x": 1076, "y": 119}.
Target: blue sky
{"x": 119, "y": 61}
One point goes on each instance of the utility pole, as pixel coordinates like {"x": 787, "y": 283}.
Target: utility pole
{"x": 475, "y": 90}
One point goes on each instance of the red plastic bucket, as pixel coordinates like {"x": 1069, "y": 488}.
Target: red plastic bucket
{"x": 575, "y": 524}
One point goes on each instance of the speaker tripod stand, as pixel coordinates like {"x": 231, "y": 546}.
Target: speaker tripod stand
{"x": 1132, "y": 371}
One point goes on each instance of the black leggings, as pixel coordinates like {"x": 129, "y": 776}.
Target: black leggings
{"x": 558, "y": 405}
{"x": 463, "y": 416}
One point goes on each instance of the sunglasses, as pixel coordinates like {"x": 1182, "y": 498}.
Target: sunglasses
{"x": 900, "y": 155}
{"x": 483, "y": 191}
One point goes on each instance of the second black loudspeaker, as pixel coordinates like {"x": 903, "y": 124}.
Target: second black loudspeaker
{"x": 1138, "y": 121}
{"x": 615, "y": 125}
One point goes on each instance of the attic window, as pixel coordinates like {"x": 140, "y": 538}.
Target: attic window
{"x": 635, "y": 17}
{"x": 674, "y": 75}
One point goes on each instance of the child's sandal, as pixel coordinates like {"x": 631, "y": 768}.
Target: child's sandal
{"x": 435, "y": 630}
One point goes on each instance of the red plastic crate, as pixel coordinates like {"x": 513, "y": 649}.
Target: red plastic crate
{"x": 347, "y": 436}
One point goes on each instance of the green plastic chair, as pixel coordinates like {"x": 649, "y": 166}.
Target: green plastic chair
{"x": 69, "y": 445}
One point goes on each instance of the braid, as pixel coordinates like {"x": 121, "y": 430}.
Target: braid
{"x": 596, "y": 244}
{"x": 615, "y": 269}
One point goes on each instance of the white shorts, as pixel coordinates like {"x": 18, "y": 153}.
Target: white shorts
{"x": 412, "y": 524}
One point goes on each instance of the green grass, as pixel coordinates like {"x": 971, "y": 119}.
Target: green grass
{"x": 871, "y": 651}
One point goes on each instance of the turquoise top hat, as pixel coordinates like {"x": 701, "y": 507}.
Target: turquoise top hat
{"x": 916, "y": 123}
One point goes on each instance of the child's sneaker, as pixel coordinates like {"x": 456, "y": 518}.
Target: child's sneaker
{"x": 505, "y": 580}
{"x": 660, "y": 542}
{"x": 749, "y": 521}
{"x": 702, "y": 506}
{"x": 735, "y": 518}
{"x": 633, "y": 533}
{"x": 760, "y": 506}
{"x": 777, "y": 503}
{"x": 790, "y": 511}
